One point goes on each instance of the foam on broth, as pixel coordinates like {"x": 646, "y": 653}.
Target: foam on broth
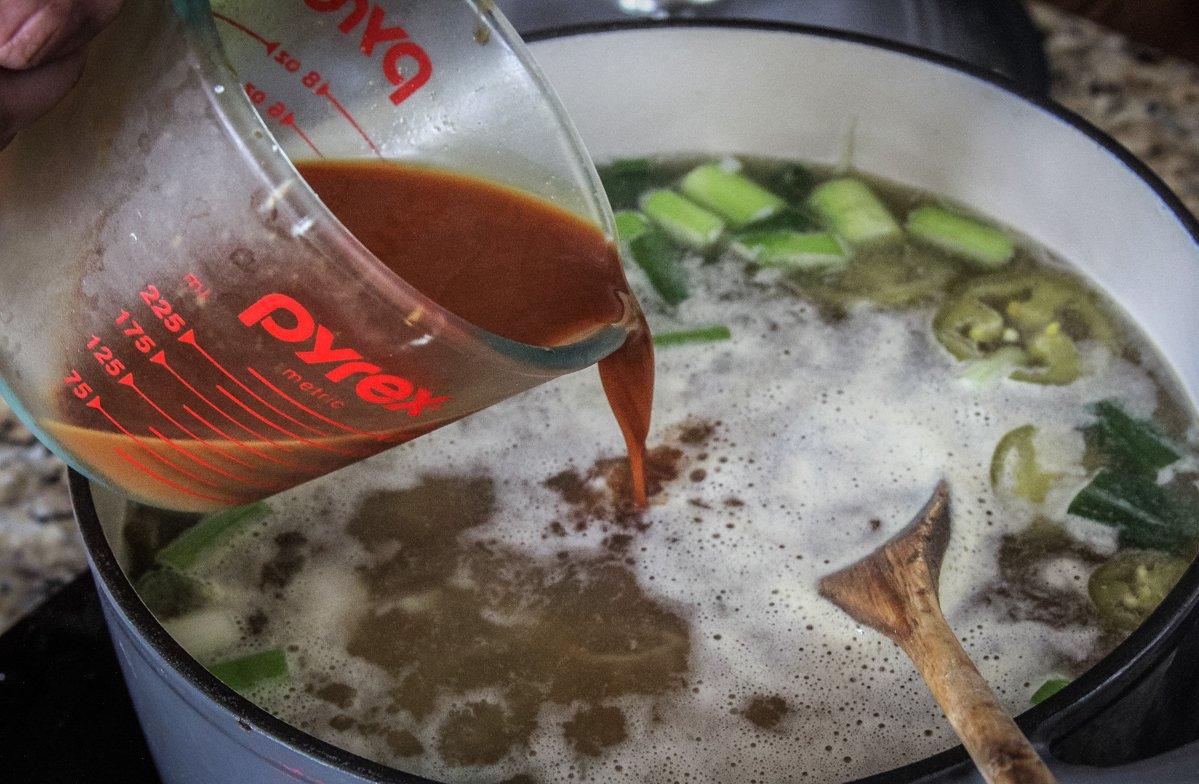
{"x": 780, "y": 455}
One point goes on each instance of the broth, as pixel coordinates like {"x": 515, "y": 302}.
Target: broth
{"x": 487, "y": 606}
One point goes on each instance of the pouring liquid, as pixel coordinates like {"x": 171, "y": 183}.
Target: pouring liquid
{"x": 187, "y": 427}
{"x": 509, "y": 263}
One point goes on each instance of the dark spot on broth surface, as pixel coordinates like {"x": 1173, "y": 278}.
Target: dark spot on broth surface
{"x": 451, "y": 614}
{"x": 339, "y": 694}
{"x": 477, "y": 733}
{"x": 1022, "y": 592}
{"x": 765, "y": 711}
{"x": 437, "y": 509}
{"x": 591, "y": 730}
{"x": 403, "y": 743}
{"x": 341, "y": 722}
{"x": 286, "y": 563}
{"x": 256, "y": 622}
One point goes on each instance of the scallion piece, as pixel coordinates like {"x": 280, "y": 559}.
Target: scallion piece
{"x": 1146, "y": 514}
{"x": 169, "y": 594}
{"x": 797, "y": 250}
{"x": 630, "y": 225}
{"x": 789, "y": 219}
{"x": 249, "y": 672}
{"x": 625, "y": 180}
{"x": 854, "y": 213}
{"x": 971, "y": 239}
{"x": 979, "y": 373}
{"x": 207, "y": 535}
{"x": 662, "y": 263}
{"x": 712, "y": 334}
{"x": 1127, "y": 443}
{"x": 730, "y": 194}
{"x": 791, "y": 181}
{"x": 683, "y": 221}
{"x": 1048, "y": 689}
{"x": 204, "y": 633}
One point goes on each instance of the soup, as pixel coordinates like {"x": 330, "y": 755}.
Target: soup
{"x": 490, "y": 606}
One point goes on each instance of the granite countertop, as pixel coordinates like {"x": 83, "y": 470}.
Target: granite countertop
{"x": 1147, "y": 101}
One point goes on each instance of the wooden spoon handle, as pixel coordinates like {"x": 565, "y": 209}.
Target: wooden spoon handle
{"x": 997, "y": 746}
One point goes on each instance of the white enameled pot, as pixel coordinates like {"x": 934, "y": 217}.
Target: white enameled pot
{"x": 791, "y": 93}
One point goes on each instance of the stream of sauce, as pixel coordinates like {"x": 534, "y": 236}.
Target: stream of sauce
{"x": 506, "y": 262}
{"x": 200, "y": 404}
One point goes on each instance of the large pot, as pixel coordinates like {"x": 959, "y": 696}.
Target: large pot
{"x": 810, "y": 94}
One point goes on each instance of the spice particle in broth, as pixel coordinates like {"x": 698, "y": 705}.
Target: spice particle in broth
{"x": 488, "y": 606}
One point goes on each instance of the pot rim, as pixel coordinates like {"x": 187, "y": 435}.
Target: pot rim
{"x": 1074, "y": 705}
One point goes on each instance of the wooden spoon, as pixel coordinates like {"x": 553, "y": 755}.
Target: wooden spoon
{"x": 894, "y": 590}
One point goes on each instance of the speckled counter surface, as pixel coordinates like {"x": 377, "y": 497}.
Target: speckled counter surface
{"x": 1149, "y": 102}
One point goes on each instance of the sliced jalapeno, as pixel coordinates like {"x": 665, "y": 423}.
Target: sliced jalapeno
{"x": 894, "y": 277}
{"x": 1132, "y": 584}
{"x": 1056, "y": 356}
{"x": 1016, "y": 457}
{"x": 968, "y": 327}
{"x": 1033, "y": 300}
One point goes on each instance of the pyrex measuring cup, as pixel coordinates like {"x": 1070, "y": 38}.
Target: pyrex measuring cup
{"x": 184, "y": 319}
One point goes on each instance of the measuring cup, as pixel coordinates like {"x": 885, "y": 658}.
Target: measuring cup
{"x": 183, "y": 318}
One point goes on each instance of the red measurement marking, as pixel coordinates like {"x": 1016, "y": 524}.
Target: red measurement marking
{"x": 216, "y": 469}
{"x": 327, "y": 93}
{"x": 173, "y": 485}
{"x": 161, "y": 359}
{"x": 189, "y": 339}
{"x": 94, "y": 403}
{"x": 128, "y": 381}
{"x": 271, "y": 46}
{"x": 317, "y": 414}
{"x": 221, "y": 433}
{"x": 289, "y": 120}
{"x": 280, "y": 428}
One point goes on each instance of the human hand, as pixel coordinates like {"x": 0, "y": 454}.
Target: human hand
{"x": 42, "y": 54}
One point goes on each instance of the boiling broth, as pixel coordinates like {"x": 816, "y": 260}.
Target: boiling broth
{"x": 486, "y": 606}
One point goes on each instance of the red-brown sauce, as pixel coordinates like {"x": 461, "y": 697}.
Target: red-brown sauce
{"x": 504, "y": 261}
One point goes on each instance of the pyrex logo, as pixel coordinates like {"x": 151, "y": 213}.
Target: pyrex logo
{"x": 405, "y": 63}
{"x": 285, "y": 319}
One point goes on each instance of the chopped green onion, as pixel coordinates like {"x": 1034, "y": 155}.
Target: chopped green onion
{"x": 1145, "y": 514}
{"x": 1048, "y": 689}
{"x": 731, "y": 195}
{"x": 1130, "y": 444}
{"x": 973, "y": 240}
{"x": 662, "y": 263}
{"x": 712, "y": 334}
{"x": 169, "y": 594}
{"x": 630, "y": 225}
{"x": 250, "y": 672}
{"x": 792, "y": 181}
{"x": 204, "y": 633}
{"x": 685, "y": 222}
{"x": 625, "y": 181}
{"x": 852, "y": 210}
{"x": 207, "y": 535}
{"x": 788, "y": 219}
{"x": 781, "y": 248}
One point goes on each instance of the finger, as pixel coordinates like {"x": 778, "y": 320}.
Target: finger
{"x": 33, "y": 32}
{"x": 27, "y": 95}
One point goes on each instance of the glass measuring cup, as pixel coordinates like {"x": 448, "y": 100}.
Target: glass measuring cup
{"x": 185, "y": 320}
